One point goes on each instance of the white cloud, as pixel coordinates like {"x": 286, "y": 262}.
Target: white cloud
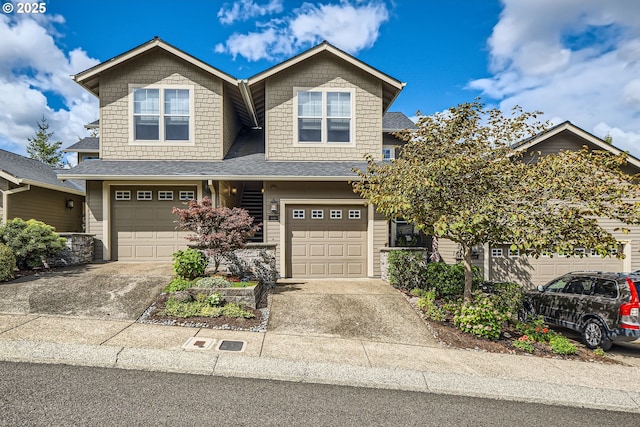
{"x": 349, "y": 26}
{"x": 246, "y": 9}
{"x": 576, "y": 60}
{"x": 33, "y": 68}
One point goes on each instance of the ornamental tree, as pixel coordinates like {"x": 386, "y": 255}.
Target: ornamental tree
{"x": 460, "y": 178}
{"x": 217, "y": 230}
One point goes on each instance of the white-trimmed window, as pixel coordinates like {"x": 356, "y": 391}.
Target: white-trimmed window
{"x": 317, "y": 214}
{"x": 162, "y": 114}
{"x": 336, "y": 214}
{"x": 298, "y": 214}
{"x": 123, "y": 195}
{"x": 580, "y": 251}
{"x": 324, "y": 115}
{"x": 165, "y": 195}
{"x": 514, "y": 253}
{"x": 144, "y": 195}
{"x": 354, "y": 214}
{"x": 388, "y": 152}
{"x": 187, "y": 195}
{"x": 496, "y": 252}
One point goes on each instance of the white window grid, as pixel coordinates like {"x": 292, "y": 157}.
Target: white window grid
{"x": 388, "y": 153}
{"x": 123, "y": 195}
{"x": 317, "y": 214}
{"x": 335, "y": 214}
{"x": 144, "y": 195}
{"x": 298, "y": 214}
{"x": 496, "y": 252}
{"x": 187, "y": 195}
{"x": 166, "y": 109}
{"x": 580, "y": 251}
{"x": 165, "y": 195}
{"x": 514, "y": 253}
{"x": 320, "y": 111}
{"x": 354, "y": 214}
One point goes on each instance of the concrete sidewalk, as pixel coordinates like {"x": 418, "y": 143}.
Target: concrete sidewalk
{"x": 318, "y": 359}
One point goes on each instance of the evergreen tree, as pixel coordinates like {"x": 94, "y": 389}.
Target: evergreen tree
{"x": 40, "y": 148}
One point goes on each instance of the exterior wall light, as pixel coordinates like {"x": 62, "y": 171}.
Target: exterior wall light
{"x": 69, "y": 204}
{"x": 273, "y": 206}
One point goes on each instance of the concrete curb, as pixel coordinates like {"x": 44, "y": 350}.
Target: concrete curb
{"x": 235, "y": 365}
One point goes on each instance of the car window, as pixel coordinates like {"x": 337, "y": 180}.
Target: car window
{"x": 579, "y": 285}
{"x": 558, "y": 285}
{"x": 606, "y": 288}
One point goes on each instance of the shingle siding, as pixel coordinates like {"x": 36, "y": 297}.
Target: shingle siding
{"x": 324, "y": 71}
{"x": 157, "y": 67}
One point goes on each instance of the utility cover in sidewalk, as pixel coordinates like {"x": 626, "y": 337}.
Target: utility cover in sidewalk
{"x": 198, "y": 343}
{"x": 226, "y": 345}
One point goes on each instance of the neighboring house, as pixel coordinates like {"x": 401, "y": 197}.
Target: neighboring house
{"x": 499, "y": 263}
{"x": 282, "y": 144}
{"x": 87, "y": 148}
{"x": 30, "y": 190}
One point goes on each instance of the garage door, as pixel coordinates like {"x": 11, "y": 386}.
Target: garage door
{"x": 326, "y": 241}
{"x": 538, "y": 271}
{"x": 143, "y": 227}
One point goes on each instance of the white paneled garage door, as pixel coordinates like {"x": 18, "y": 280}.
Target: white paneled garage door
{"x": 326, "y": 241}
{"x": 143, "y": 227}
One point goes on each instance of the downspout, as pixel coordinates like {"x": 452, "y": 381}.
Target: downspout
{"x": 214, "y": 193}
{"x": 5, "y": 200}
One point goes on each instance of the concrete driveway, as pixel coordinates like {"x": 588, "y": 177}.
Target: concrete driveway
{"x": 115, "y": 290}
{"x": 367, "y": 309}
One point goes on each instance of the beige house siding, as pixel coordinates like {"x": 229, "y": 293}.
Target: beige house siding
{"x": 231, "y": 124}
{"x": 321, "y": 71}
{"x": 157, "y": 67}
{"x": 380, "y": 240}
{"x": 48, "y": 206}
{"x": 94, "y": 216}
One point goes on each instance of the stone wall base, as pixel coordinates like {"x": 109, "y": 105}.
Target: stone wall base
{"x": 80, "y": 249}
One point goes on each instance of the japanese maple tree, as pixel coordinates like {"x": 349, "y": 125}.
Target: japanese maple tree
{"x": 217, "y": 230}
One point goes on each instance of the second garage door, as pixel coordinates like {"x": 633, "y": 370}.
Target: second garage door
{"x": 326, "y": 241}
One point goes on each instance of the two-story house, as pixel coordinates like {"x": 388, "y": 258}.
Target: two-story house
{"x": 282, "y": 143}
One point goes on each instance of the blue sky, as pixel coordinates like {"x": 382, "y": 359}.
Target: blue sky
{"x": 575, "y": 60}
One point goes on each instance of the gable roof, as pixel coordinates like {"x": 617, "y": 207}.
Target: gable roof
{"x": 89, "y": 144}
{"x": 90, "y": 79}
{"x": 391, "y": 87}
{"x": 579, "y": 132}
{"x": 22, "y": 170}
{"x": 396, "y": 121}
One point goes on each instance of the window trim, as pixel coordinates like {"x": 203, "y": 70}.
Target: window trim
{"x": 324, "y": 131}
{"x": 144, "y": 193}
{"x": 161, "y": 123}
{"x": 186, "y": 195}
{"x": 121, "y": 195}
{"x": 392, "y": 150}
{"x": 335, "y": 214}
{"x": 352, "y": 214}
{"x": 298, "y": 213}
{"x": 163, "y": 193}
{"x": 317, "y": 213}
{"x": 514, "y": 253}
{"x": 497, "y": 253}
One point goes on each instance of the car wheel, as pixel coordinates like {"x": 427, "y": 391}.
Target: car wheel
{"x": 526, "y": 313}
{"x": 594, "y": 335}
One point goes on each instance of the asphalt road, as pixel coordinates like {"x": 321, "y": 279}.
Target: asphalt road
{"x": 34, "y": 395}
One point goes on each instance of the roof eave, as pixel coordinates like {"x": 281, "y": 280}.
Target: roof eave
{"x": 201, "y": 177}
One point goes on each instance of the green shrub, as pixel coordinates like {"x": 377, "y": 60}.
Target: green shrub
{"x": 560, "y": 345}
{"x": 215, "y": 299}
{"x": 178, "y": 284}
{"x": 31, "y": 241}
{"x": 524, "y": 343}
{"x": 205, "y": 306}
{"x": 234, "y": 310}
{"x": 507, "y": 295}
{"x": 406, "y": 269}
{"x": 189, "y": 263}
{"x": 536, "y": 330}
{"x": 448, "y": 279}
{"x": 213, "y": 282}
{"x": 427, "y": 303}
{"x": 7, "y": 263}
{"x": 481, "y": 317}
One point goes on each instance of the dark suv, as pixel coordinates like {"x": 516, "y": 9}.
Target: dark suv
{"x": 603, "y": 307}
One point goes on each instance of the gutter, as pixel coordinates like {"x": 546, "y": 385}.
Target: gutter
{"x": 5, "y": 200}
{"x": 248, "y": 102}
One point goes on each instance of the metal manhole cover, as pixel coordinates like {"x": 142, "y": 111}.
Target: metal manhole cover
{"x": 226, "y": 345}
{"x": 198, "y": 343}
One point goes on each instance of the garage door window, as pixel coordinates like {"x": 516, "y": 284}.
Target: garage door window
{"x": 317, "y": 214}
{"x": 187, "y": 195}
{"x": 298, "y": 214}
{"x": 354, "y": 214}
{"x": 123, "y": 195}
{"x": 165, "y": 195}
{"x": 144, "y": 195}
{"x": 496, "y": 252}
{"x": 336, "y": 214}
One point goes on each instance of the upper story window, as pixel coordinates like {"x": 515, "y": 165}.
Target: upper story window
{"x": 162, "y": 113}
{"x": 324, "y": 115}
